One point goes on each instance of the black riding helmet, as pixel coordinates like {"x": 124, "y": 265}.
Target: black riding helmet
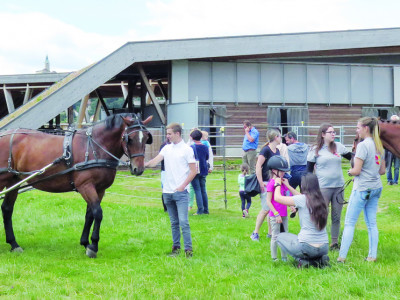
{"x": 278, "y": 162}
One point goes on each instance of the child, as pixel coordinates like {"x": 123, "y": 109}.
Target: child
{"x": 204, "y": 140}
{"x": 277, "y": 165}
{"x": 243, "y": 196}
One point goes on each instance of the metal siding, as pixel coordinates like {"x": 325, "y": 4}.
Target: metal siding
{"x": 180, "y": 81}
{"x": 295, "y": 83}
{"x": 339, "y": 91}
{"x": 183, "y": 113}
{"x": 199, "y": 81}
{"x": 396, "y": 86}
{"x": 272, "y": 83}
{"x": 382, "y": 85}
{"x": 361, "y": 85}
{"x": 317, "y": 84}
{"x": 247, "y": 82}
{"x": 224, "y": 82}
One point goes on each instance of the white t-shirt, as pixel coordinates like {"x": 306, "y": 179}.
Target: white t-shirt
{"x": 177, "y": 158}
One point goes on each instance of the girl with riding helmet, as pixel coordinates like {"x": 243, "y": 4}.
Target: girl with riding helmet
{"x": 369, "y": 164}
{"x": 326, "y": 157}
{"x": 310, "y": 246}
{"x": 277, "y": 165}
{"x": 269, "y": 149}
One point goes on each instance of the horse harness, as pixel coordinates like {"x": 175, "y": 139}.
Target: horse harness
{"x": 67, "y": 156}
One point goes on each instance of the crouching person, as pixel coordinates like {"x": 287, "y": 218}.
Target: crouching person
{"x": 311, "y": 246}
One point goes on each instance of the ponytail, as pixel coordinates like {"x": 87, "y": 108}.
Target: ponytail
{"x": 373, "y": 124}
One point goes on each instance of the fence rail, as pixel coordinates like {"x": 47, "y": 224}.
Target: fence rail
{"x": 227, "y": 140}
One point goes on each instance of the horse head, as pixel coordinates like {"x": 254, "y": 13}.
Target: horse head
{"x": 134, "y": 140}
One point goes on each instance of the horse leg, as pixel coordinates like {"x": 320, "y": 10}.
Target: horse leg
{"x": 7, "y": 209}
{"x": 86, "y": 228}
{"x": 93, "y": 213}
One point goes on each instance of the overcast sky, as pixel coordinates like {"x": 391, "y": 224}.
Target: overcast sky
{"x": 76, "y": 33}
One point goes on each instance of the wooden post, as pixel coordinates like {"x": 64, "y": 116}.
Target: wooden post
{"x": 151, "y": 93}
{"x": 82, "y": 110}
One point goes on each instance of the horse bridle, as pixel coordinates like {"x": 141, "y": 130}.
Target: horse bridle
{"x": 139, "y": 127}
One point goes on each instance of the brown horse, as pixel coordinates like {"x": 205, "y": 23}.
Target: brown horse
{"x": 389, "y": 132}
{"x": 85, "y": 160}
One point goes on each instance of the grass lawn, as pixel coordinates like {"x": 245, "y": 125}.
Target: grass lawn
{"x": 136, "y": 236}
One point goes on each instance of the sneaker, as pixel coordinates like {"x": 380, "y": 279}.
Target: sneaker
{"x": 188, "y": 253}
{"x": 243, "y": 216}
{"x": 284, "y": 259}
{"x": 324, "y": 261}
{"x": 255, "y": 237}
{"x": 175, "y": 252}
{"x": 269, "y": 236}
{"x": 370, "y": 259}
{"x": 341, "y": 260}
{"x": 245, "y": 213}
{"x": 275, "y": 260}
{"x": 303, "y": 264}
{"x": 390, "y": 183}
{"x": 334, "y": 247}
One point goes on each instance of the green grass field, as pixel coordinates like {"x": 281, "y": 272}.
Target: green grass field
{"x": 136, "y": 236}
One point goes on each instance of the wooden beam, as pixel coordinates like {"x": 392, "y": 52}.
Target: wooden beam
{"x": 9, "y": 100}
{"x": 82, "y": 111}
{"x": 163, "y": 90}
{"x": 98, "y": 93}
{"x": 151, "y": 93}
{"x": 96, "y": 116}
{"x": 28, "y": 93}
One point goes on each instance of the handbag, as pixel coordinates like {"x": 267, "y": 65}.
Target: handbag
{"x": 251, "y": 185}
{"x": 196, "y": 158}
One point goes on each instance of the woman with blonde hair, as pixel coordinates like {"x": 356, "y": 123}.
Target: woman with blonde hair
{"x": 268, "y": 150}
{"x": 369, "y": 164}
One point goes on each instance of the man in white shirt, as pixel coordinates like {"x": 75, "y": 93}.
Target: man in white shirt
{"x": 180, "y": 169}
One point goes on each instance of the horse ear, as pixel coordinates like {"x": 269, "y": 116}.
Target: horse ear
{"x": 148, "y": 120}
{"x": 127, "y": 120}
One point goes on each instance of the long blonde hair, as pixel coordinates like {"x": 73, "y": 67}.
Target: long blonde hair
{"x": 373, "y": 125}
{"x": 271, "y": 136}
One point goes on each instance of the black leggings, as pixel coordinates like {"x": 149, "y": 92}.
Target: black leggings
{"x": 244, "y": 197}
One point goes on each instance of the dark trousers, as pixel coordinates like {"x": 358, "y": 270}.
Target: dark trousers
{"x": 244, "y": 197}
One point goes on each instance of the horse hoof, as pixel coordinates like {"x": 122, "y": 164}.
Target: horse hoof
{"x": 17, "y": 250}
{"x": 90, "y": 253}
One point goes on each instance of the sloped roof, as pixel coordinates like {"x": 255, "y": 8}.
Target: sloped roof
{"x": 75, "y": 86}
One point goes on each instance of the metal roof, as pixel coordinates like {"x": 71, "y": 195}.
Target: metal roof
{"x": 156, "y": 56}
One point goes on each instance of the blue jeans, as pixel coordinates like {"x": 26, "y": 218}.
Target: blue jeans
{"x": 290, "y": 244}
{"x": 395, "y": 161}
{"x": 199, "y": 186}
{"x": 177, "y": 206}
{"x": 296, "y": 172}
{"x": 244, "y": 197}
{"x": 366, "y": 201}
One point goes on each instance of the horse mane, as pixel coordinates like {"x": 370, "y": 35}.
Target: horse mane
{"x": 115, "y": 121}
{"x": 389, "y": 121}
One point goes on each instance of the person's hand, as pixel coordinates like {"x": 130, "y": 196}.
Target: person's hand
{"x": 349, "y": 172}
{"x": 246, "y": 129}
{"x": 278, "y": 219}
{"x": 262, "y": 187}
{"x": 180, "y": 189}
{"x": 209, "y": 171}
{"x": 292, "y": 209}
{"x": 278, "y": 180}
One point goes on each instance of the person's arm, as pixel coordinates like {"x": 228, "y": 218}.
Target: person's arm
{"x": 348, "y": 155}
{"x": 356, "y": 170}
{"x": 248, "y": 135}
{"x": 382, "y": 169}
{"x": 272, "y": 208}
{"x": 310, "y": 167}
{"x": 154, "y": 161}
{"x": 260, "y": 161}
{"x": 285, "y": 200}
{"x": 189, "y": 178}
{"x": 290, "y": 188}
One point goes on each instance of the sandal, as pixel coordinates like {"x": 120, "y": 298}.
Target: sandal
{"x": 371, "y": 259}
